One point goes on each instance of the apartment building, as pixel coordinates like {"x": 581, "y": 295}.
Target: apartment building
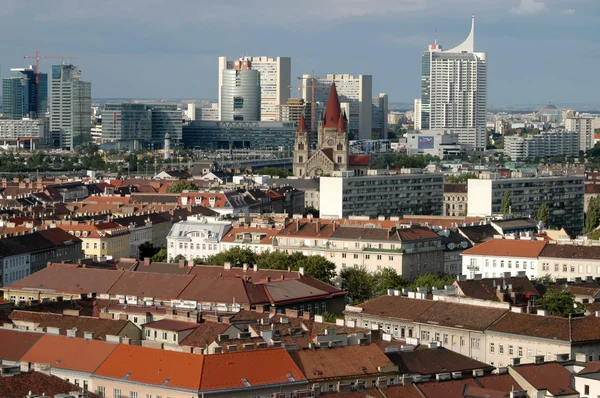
{"x": 564, "y": 196}
{"x": 99, "y": 239}
{"x": 382, "y": 194}
{"x": 543, "y": 145}
{"x": 499, "y": 257}
{"x": 584, "y": 127}
{"x": 570, "y": 261}
{"x": 196, "y": 238}
{"x": 455, "y": 199}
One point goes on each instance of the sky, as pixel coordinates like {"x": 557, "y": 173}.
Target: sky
{"x": 539, "y": 51}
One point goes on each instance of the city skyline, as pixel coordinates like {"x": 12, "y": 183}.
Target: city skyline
{"x": 525, "y": 40}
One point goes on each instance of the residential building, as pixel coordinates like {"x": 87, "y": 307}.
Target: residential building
{"x": 434, "y": 142}
{"x": 17, "y": 382}
{"x": 542, "y": 145}
{"x": 100, "y": 239}
{"x": 167, "y": 331}
{"x": 355, "y": 97}
{"x": 25, "y": 94}
{"x": 127, "y": 122}
{"x": 310, "y": 187}
{"x": 584, "y": 127}
{"x": 25, "y": 254}
{"x": 196, "y": 238}
{"x": 293, "y": 109}
{"x": 223, "y": 203}
{"x": 379, "y": 118}
{"x": 545, "y": 379}
{"x": 212, "y": 135}
{"x": 454, "y": 91}
{"x": 240, "y": 94}
{"x": 564, "y": 196}
{"x": 70, "y": 106}
{"x": 455, "y": 199}
{"x": 256, "y": 238}
{"x": 275, "y": 81}
{"x": 151, "y": 228}
{"x": 382, "y": 194}
{"x": 503, "y": 257}
{"x": 35, "y": 130}
{"x": 453, "y": 244}
{"x": 587, "y": 381}
{"x": 571, "y": 261}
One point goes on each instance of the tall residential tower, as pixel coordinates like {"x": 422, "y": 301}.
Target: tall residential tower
{"x": 70, "y": 106}
{"x": 454, "y": 91}
{"x": 275, "y": 80}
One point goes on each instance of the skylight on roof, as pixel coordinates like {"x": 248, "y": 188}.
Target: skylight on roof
{"x": 246, "y": 382}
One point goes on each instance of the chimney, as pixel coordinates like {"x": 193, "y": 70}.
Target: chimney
{"x": 297, "y": 225}
{"x": 147, "y": 261}
{"x": 245, "y": 267}
{"x": 88, "y": 335}
{"x": 227, "y": 265}
{"x": 318, "y": 225}
{"x": 255, "y": 267}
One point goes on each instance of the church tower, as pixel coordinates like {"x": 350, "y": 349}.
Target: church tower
{"x": 301, "y": 148}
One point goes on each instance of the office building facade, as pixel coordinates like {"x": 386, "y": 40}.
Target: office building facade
{"x": 382, "y": 194}
{"x": 275, "y": 80}
{"x": 166, "y": 118}
{"x": 454, "y": 91}
{"x": 356, "y": 99}
{"x": 126, "y": 122}
{"x": 24, "y": 96}
{"x": 379, "y": 114}
{"x": 564, "y": 196}
{"x": 15, "y": 130}
{"x": 70, "y": 106}
{"x": 240, "y": 93}
{"x": 545, "y": 144}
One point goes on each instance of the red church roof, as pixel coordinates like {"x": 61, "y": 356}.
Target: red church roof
{"x": 333, "y": 110}
{"x": 302, "y": 125}
{"x": 341, "y": 126}
{"x": 359, "y": 160}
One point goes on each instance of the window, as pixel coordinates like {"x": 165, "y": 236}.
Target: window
{"x": 494, "y": 263}
{"x": 367, "y": 256}
{"x": 391, "y": 258}
{"x": 475, "y": 343}
{"x": 453, "y": 340}
{"x": 500, "y": 348}
{"x": 147, "y": 332}
{"x": 572, "y": 268}
{"x": 135, "y": 319}
{"x": 116, "y": 393}
{"x": 509, "y": 264}
{"x": 331, "y": 388}
{"x": 424, "y": 335}
{"x": 445, "y": 339}
{"x": 586, "y": 389}
{"x": 492, "y": 348}
{"x": 517, "y": 264}
{"x": 356, "y": 256}
{"x": 133, "y": 394}
{"x": 501, "y": 263}
{"x": 175, "y": 336}
{"x": 520, "y": 352}
{"x": 379, "y": 257}
{"x": 102, "y": 391}
{"x": 238, "y": 103}
{"x": 529, "y": 353}
{"x": 343, "y": 255}
{"x": 510, "y": 350}
{"x": 148, "y": 395}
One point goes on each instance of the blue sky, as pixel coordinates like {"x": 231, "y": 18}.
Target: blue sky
{"x": 538, "y": 50}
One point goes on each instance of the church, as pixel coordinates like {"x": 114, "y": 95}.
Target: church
{"x": 332, "y": 153}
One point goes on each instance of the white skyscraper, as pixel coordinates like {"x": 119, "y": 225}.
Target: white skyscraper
{"x": 356, "y": 94}
{"x": 275, "y": 81}
{"x": 70, "y": 106}
{"x": 454, "y": 91}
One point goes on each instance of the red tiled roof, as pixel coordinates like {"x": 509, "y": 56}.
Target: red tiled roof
{"x": 548, "y": 327}
{"x": 148, "y": 284}
{"x": 508, "y": 248}
{"x": 171, "y": 325}
{"x": 359, "y": 160}
{"x": 465, "y": 316}
{"x": 15, "y": 343}
{"x": 550, "y": 376}
{"x": 204, "y": 334}
{"x": 36, "y": 383}
{"x": 396, "y": 307}
{"x": 333, "y": 110}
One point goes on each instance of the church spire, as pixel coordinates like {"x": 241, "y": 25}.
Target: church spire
{"x": 333, "y": 110}
{"x": 341, "y": 126}
{"x": 302, "y": 125}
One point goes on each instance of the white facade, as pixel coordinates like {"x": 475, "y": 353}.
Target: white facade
{"x": 564, "y": 196}
{"x": 587, "y": 384}
{"x": 492, "y": 266}
{"x": 545, "y": 144}
{"x": 196, "y": 238}
{"x": 355, "y": 93}
{"x": 417, "y": 114}
{"x": 454, "y": 91}
{"x": 275, "y": 80}
{"x": 15, "y": 268}
{"x": 381, "y": 194}
{"x": 70, "y": 105}
{"x": 196, "y": 112}
{"x": 434, "y": 142}
{"x": 584, "y": 126}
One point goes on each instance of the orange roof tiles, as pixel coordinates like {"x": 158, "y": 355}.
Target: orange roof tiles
{"x": 259, "y": 368}
{"x": 66, "y": 353}
{"x": 507, "y": 248}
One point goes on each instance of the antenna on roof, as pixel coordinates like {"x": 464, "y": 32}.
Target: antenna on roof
{"x": 435, "y": 37}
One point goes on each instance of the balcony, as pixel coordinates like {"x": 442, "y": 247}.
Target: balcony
{"x": 374, "y": 249}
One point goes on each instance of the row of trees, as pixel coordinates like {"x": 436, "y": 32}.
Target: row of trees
{"x": 399, "y": 161}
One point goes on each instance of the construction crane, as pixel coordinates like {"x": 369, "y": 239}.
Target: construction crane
{"x": 37, "y": 58}
{"x": 312, "y": 80}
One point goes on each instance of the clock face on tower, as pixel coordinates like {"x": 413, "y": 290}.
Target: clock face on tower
{"x": 330, "y": 142}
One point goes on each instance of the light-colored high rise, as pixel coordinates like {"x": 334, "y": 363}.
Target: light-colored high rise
{"x": 417, "y": 114}
{"x": 379, "y": 114}
{"x": 584, "y": 126}
{"x": 355, "y": 94}
{"x": 275, "y": 80}
{"x": 240, "y": 93}
{"x": 454, "y": 91}
{"x": 70, "y": 106}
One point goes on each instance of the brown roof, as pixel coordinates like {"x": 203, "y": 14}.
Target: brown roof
{"x": 455, "y": 188}
{"x": 204, "y": 334}
{"x": 396, "y": 307}
{"x": 147, "y": 284}
{"x": 430, "y": 361}
{"x": 478, "y": 233}
{"x": 326, "y": 364}
{"x": 15, "y": 343}
{"x": 507, "y": 248}
{"x": 223, "y": 290}
{"x": 550, "y": 376}
{"x": 585, "y": 329}
{"x": 66, "y": 353}
{"x": 571, "y": 251}
{"x": 307, "y": 229}
{"x": 460, "y": 315}
{"x": 171, "y": 325}
{"x": 400, "y": 391}
{"x": 69, "y": 280}
{"x": 100, "y": 327}
{"x": 36, "y": 383}
{"x": 547, "y": 327}
{"x": 161, "y": 268}
{"x": 486, "y": 289}
{"x": 590, "y": 367}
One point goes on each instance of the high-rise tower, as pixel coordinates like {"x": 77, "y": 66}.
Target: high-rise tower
{"x": 454, "y": 91}
{"x": 23, "y": 97}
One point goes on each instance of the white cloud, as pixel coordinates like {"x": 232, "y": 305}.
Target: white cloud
{"x": 529, "y": 7}
{"x": 569, "y": 11}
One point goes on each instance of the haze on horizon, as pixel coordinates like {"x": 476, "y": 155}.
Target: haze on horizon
{"x": 538, "y": 50}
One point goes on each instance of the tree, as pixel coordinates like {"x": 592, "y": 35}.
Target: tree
{"x": 543, "y": 214}
{"x": 592, "y": 216}
{"x": 177, "y": 258}
{"x": 431, "y": 280}
{"x": 358, "y": 283}
{"x": 595, "y": 235}
{"x": 278, "y": 260}
{"x": 560, "y": 302}
{"x": 318, "y": 267}
{"x": 161, "y": 256}
{"x": 147, "y": 249}
{"x": 461, "y": 178}
{"x": 236, "y": 256}
{"x": 505, "y": 207}
{"x": 386, "y": 279}
{"x": 180, "y": 186}
{"x": 310, "y": 210}
{"x": 272, "y": 171}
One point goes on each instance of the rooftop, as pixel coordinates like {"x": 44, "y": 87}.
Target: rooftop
{"x": 15, "y": 343}
{"x": 430, "y": 361}
{"x": 550, "y": 376}
{"x": 508, "y": 248}
{"x": 171, "y": 325}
